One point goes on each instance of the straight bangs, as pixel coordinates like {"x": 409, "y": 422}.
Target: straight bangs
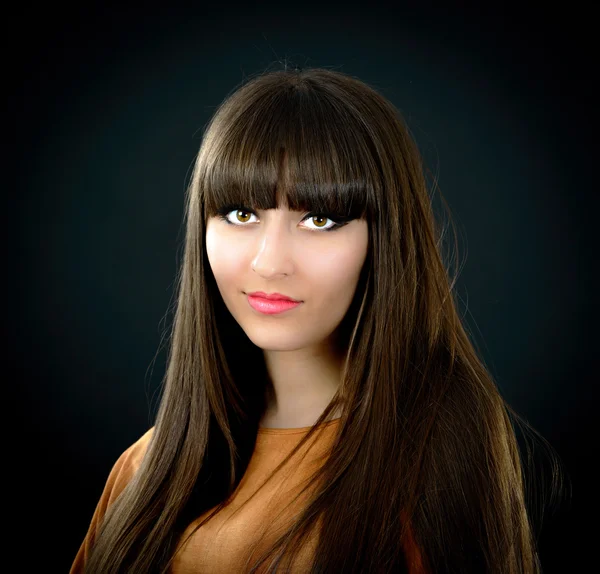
{"x": 301, "y": 147}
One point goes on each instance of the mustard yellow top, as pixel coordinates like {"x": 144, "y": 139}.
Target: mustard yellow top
{"x": 225, "y": 542}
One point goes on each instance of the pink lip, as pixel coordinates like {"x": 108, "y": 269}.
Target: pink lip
{"x": 271, "y": 307}
{"x": 272, "y": 296}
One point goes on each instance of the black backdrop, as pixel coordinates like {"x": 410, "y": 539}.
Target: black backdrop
{"x": 105, "y": 114}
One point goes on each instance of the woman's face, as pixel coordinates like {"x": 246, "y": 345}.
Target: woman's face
{"x": 283, "y": 251}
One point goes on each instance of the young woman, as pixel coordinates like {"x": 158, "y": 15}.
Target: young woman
{"x": 323, "y": 409}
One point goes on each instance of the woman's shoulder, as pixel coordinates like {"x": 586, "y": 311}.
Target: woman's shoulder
{"x": 120, "y": 475}
{"x": 135, "y": 453}
{"x": 126, "y": 466}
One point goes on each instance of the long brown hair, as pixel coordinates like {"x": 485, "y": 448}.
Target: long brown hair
{"x": 425, "y": 442}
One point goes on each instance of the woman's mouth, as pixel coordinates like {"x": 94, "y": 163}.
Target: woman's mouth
{"x": 271, "y": 307}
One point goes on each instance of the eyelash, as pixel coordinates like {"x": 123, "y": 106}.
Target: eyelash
{"x": 338, "y": 221}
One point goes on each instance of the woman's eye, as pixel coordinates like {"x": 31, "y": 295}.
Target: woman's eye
{"x": 322, "y": 221}
{"x": 318, "y": 221}
{"x": 245, "y": 213}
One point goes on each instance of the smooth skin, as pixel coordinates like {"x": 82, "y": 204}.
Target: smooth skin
{"x": 283, "y": 251}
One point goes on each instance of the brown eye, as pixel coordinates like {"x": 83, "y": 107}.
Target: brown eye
{"x": 243, "y": 215}
{"x": 319, "y": 221}
{"x": 324, "y": 220}
{"x": 244, "y": 212}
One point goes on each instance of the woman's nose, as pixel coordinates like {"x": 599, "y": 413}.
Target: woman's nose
{"x": 273, "y": 255}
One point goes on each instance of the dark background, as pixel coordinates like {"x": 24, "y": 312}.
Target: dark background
{"x": 105, "y": 114}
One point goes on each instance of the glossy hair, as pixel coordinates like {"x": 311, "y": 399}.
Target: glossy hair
{"x": 425, "y": 442}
